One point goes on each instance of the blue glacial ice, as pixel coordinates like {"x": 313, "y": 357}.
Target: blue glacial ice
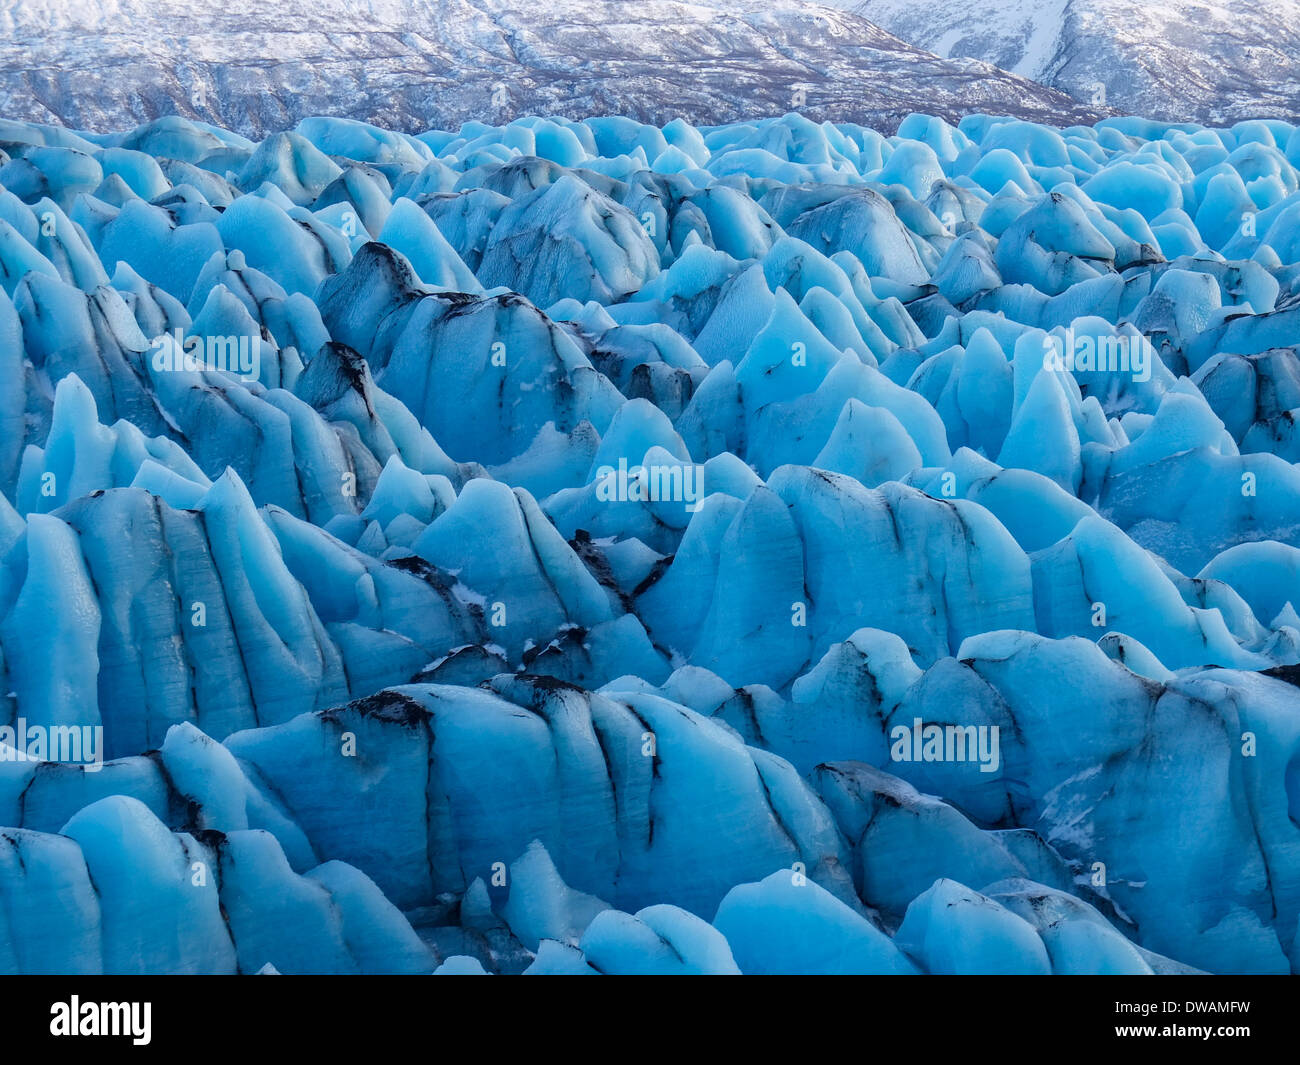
{"x": 591, "y": 548}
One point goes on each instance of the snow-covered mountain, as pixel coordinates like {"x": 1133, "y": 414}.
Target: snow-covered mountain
{"x": 1215, "y": 61}
{"x": 108, "y": 64}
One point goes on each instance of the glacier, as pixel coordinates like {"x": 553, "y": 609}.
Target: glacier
{"x": 600, "y": 547}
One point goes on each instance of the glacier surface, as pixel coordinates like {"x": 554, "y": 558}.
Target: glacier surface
{"x": 598, "y": 547}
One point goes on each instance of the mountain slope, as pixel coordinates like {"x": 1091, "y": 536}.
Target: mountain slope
{"x": 113, "y": 63}
{"x": 1185, "y": 60}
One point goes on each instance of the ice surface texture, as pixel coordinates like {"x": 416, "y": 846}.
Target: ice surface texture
{"x": 401, "y": 667}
